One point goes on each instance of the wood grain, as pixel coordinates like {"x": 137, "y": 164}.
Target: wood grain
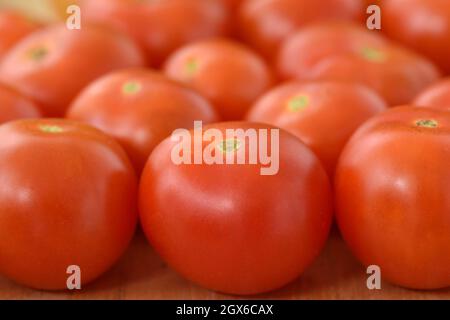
{"x": 140, "y": 274}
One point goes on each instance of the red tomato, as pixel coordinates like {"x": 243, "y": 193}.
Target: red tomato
{"x": 13, "y": 27}
{"x": 393, "y": 205}
{"x": 344, "y": 52}
{"x": 227, "y": 73}
{"x": 15, "y": 106}
{"x": 229, "y": 228}
{"x": 52, "y": 65}
{"x": 160, "y": 26}
{"x": 423, "y": 25}
{"x": 435, "y": 96}
{"x": 323, "y": 115}
{"x": 67, "y": 197}
{"x": 140, "y": 108}
{"x": 266, "y": 23}
{"x": 231, "y": 4}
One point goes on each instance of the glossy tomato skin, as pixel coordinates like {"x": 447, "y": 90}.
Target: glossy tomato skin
{"x": 322, "y": 114}
{"x": 14, "y": 106}
{"x": 140, "y": 108}
{"x": 231, "y": 229}
{"x": 230, "y": 75}
{"x": 346, "y": 52}
{"x": 392, "y": 201}
{"x": 13, "y": 27}
{"x": 160, "y": 26}
{"x": 423, "y": 25}
{"x": 68, "y": 197}
{"x": 53, "y": 64}
{"x": 265, "y": 24}
{"x": 435, "y": 96}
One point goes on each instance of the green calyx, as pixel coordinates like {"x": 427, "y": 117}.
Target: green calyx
{"x": 427, "y": 123}
{"x": 229, "y": 145}
{"x": 298, "y": 103}
{"x": 131, "y": 87}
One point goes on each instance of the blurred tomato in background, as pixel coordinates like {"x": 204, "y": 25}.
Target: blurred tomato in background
{"x": 435, "y": 96}
{"x": 14, "y": 106}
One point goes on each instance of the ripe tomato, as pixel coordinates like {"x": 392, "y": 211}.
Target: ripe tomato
{"x": 15, "y": 106}
{"x": 229, "y": 228}
{"x": 423, "y": 25}
{"x": 140, "y": 108}
{"x": 227, "y": 73}
{"x": 160, "y": 26}
{"x": 231, "y": 4}
{"x": 13, "y": 27}
{"x": 344, "y": 52}
{"x": 323, "y": 114}
{"x": 435, "y": 96}
{"x": 393, "y": 205}
{"x": 266, "y": 23}
{"x": 53, "y": 64}
{"x": 67, "y": 197}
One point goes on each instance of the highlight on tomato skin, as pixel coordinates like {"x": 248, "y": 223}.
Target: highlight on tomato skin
{"x": 68, "y": 197}
{"x": 54, "y": 63}
{"x": 350, "y": 53}
{"x": 140, "y": 108}
{"x": 391, "y": 196}
{"x": 226, "y": 72}
{"x": 322, "y": 114}
{"x": 14, "y": 105}
{"x": 435, "y": 96}
{"x": 248, "y": 233}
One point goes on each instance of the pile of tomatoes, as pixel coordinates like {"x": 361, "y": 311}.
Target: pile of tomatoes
{"x": 364, "y": 116}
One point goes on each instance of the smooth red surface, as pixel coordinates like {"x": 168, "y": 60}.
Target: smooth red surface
{"x": 160, "y": 27}
{"x": 423, "y": 25}
{"x": 435, "y": 96}
{"x": 346, "y": 52}
{"x": 14, "y": 106}
{"x": 266, "y": 23}
{"x": 53, "y": 64}
{"x": 67, "y": 197}
{"x": 231, "y": 229}
{"x": 226, "y": 72}
{"x": 392, "y": 200}
{"x": 140, "y": 108}
{"x": 322, "y": 114}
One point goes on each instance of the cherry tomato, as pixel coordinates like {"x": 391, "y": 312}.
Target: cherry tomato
{"x": 15, "y": 106}
{"x": 227, "y": 73}
{"x": 67, "y": 198}
{"x": 323, "y": 115}
{"x": 160, "y": 26}
{"x": 140, "y": 108}
{"x": 435, "y": 96}
{"x": 53, "y": 64}
{"x": 393, "y": 205}
{"x": 13, "y": 27}
{"x": 228, "y": 227}
{"x": 266, "y": 23}
{"x": 344, "y": 52}
{"x": 423, "y": 25}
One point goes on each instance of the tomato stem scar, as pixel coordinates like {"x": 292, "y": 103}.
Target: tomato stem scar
{"x": 229, "y": 145}
{"x": 38, "y": 53}
{"x": 48, "y": 128}
{"x": 373, "y": 54}
{"x": 298, "y": 103}
{"x": 131, "y": 87}
{"x": 191, "y": 66}
{"x": 427, "y": 123}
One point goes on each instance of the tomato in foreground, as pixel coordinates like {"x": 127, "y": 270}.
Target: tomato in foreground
{"x": 67, "y": 197}
{"x": 226, "y": 72}
{"x": 435, "y": 96}
{"x": 265, "y": 24}
{"x": 227, "y": 227}
{"x": 392, "y": 199}
{"x": 423, "y": 25}
{"x": 14, "y": 106}
{"x": 346, "y": 52}
{"x": 322, "y": 114}
{"x": 53, "y": 64}
{"x": 140, "y": 108}
{"x": 160, "y": 27}
{"x": 13, "y": 27}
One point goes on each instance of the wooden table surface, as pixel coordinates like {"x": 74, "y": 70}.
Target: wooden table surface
{"x": 140, "y": 274}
